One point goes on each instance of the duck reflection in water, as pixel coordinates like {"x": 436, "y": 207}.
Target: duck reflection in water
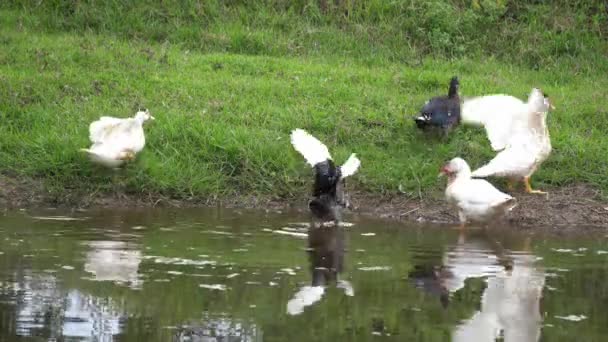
{"x": 510, "y": 304}
{"x": 115, "y": 261}
{"x": 326, "y": 248}
{"x": 429, "y": 278}
{"x": 472, "y": 257}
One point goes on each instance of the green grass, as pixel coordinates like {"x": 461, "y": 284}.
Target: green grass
{"x": 227, "y": 82}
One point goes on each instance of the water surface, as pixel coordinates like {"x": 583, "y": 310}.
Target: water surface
{"x": 230, "y": 275}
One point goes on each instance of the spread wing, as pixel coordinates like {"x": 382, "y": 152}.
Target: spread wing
{"x": 107, "y": 128}
{"x": 502, "y": 116}
{"x": 313, "y": 150}
{"x": 350, "y": 166}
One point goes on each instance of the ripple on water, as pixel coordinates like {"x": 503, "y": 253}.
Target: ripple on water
{"x": 288, "y": 271}
{"x": 59, "y": 218}
{"x": 217, "y": 287}
{"x": 179, "y": 261}
{"x": 572, "y": 318}
{"x": 294, "y": 234}
{"x": 374, "y": 268}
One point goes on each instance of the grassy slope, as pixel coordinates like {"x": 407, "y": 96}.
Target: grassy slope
{"x": 224, "y": 110}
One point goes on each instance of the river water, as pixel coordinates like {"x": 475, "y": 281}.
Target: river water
{"x": 231, "y": 275}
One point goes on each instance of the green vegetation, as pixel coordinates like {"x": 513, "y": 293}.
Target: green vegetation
{"x": 228, "y": 80}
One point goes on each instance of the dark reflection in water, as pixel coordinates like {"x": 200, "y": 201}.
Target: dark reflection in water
{"x": 326, "y": 253}
{"x": 217, "y": 275}
{"x": 326, "y": 256}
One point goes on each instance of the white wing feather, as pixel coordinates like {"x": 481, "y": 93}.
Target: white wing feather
{"x": 481, "y": 192}
{"x": 120, "y": 134}
{"x": 501, "y": 116}
{"x": 313, "y": 150}
{"x": 104, "y": 154}
{"x": 350, "y": 166}
{"x": 101, "y": 129}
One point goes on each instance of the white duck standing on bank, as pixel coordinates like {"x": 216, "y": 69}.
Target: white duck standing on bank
{"x": 117, "y": 140}
{"x": 476, "y": 199}
{"x": 527, "y": 148}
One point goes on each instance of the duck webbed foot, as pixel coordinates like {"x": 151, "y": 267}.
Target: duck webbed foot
{"x": 530, "y": 190}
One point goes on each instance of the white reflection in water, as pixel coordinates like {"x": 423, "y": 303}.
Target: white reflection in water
{"x": 43, "y": 309}
{"x": 87, "y": 316}
{"x": 510, "y": 305}
{"x": 306, "y": 296}
{"x": 115, "y": 261}
{"x": 34, "y": 296}
{"x": 215, "y": 329}
{"x": 468, "y": 259}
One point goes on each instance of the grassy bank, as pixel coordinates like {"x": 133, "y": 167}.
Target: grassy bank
{"x": 227, "y": 82}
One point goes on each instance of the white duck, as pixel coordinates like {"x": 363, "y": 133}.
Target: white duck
{"x": 502, "y": 116}
{"x": 527, "y": 148}
{"x": 476, "y": 199}
{"x": 117, "y": 140}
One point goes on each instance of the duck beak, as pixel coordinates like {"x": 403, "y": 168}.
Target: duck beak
{"x": 442, "y": 172}
{"x": 152, "y": 118}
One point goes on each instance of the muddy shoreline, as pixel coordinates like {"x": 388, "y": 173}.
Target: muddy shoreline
{"x": 570, "y": 208}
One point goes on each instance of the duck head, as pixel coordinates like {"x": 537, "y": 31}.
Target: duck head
{"x": 441, "y": 111}
{"x": 455, "y": 168}
{"x": 143, "y": 116}
{"x": 538, "y": 101}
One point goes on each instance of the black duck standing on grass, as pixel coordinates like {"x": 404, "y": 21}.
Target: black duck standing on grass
{"x": 328, "y": 192}
{"x": 441, "y": 113}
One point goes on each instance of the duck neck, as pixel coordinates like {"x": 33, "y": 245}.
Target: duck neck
{"x": 460, "y": 176}
{"x": 140, "y": 120}
{"x": 538, "y": 122}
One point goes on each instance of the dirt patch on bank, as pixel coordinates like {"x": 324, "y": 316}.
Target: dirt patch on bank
{"x": 571, "y": 207}
{"x": 567, "y": 207}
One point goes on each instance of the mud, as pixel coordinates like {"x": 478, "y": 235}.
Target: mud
{"x": 570, "y": 208}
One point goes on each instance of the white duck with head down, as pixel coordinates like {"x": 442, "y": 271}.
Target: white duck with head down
{"x": 527, "y": 148}
{"x": 115, "y": 140}
{"x": 327, "y": 191}
{"x": 476, "y": 199}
